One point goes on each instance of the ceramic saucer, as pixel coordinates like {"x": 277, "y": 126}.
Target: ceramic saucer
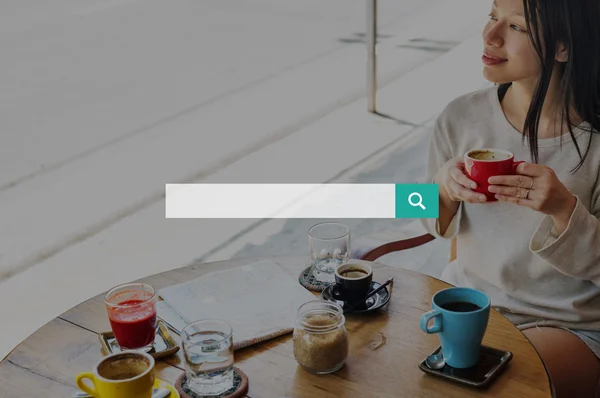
{"x": 158, "y": 383}
{"x": 373, "y": 303}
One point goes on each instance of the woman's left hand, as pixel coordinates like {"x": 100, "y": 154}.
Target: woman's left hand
{"x": 537, "y": 187}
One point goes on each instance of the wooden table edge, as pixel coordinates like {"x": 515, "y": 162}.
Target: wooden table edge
{"x": 257, "y": 258}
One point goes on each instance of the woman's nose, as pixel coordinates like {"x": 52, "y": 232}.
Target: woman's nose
{"x": 492, "y": 36}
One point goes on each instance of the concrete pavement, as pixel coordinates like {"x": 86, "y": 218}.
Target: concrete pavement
{"x": 410, "y": 104}
{"x": 82, "y": 174}
{"x": 78, "y": 220}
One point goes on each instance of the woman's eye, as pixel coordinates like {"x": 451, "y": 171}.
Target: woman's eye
{"x": 517, "y": 28}
{"x": 492, "y": 17}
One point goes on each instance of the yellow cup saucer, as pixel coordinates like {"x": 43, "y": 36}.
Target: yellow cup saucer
{"x": 158, "y": 383}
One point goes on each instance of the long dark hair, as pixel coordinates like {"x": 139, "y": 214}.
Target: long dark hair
{"x": 573, "y": 23}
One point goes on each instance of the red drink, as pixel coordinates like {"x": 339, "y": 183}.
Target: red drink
{"x": 134, "y": 326}
{"x": 132, "y": 315}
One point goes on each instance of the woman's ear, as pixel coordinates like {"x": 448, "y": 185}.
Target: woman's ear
{"x": 562, "y": 53}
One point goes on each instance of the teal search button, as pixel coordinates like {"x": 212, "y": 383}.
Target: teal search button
{"x": 417, "y": 201}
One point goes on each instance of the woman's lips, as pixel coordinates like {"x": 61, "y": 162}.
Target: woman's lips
{"x": 491, "y": 60}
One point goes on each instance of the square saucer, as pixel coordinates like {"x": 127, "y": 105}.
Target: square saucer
{"x": 164, "y": 344}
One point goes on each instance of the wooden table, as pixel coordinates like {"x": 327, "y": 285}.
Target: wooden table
{"x": 46, "y": 363}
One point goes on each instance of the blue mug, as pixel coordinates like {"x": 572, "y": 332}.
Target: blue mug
{"x": 460, "y": 316}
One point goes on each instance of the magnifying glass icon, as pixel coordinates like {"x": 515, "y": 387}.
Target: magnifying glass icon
{"x": 418, "y": 203}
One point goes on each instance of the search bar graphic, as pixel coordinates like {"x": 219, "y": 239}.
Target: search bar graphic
{"x": 301, "y": 200}
{"x": 417, "y": 201}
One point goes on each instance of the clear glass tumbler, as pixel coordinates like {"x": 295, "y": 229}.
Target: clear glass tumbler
{"x": 208, "y": 351}
{"x": 132, "y": 314}
{"x": 329, "y": 244}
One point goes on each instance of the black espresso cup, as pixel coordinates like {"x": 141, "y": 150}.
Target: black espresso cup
{"x": 352, "y": 283}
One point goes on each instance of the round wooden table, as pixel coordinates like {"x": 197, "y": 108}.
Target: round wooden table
{"x": 45, "y": 364}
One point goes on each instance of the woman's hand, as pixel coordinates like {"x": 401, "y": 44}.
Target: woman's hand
{"x": 456, "y": 185}
{"x": 537, "y": 187}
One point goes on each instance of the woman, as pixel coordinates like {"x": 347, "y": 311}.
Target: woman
{"x": 536, "y": 251}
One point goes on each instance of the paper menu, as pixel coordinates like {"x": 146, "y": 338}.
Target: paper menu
{"x": 259, "y": 301}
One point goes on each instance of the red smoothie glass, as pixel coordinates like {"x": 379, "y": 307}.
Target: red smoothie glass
{"x": 132, "y": 314}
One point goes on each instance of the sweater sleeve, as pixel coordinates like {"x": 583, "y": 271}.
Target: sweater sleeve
{"x": 575, "y": 252}
{"x": 439, "y": 153}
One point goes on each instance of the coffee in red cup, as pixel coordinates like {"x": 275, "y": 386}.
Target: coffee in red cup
{"x": 481, "y": 164}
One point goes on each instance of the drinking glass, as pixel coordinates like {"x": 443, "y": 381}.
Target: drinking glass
{"x": 132, "y": 314}
{"x": 208, "y": 351}
{"x": 329, "y": 248}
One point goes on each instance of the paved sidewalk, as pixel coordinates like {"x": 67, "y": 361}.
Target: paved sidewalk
{"x": 410, "y": 105}
{"x": 125, "y": 236}
{"x": 100, "y": 140}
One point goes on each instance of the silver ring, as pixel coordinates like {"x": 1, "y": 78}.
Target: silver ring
{"x": 527, "y": 194}
{"x": 532, "y": 182}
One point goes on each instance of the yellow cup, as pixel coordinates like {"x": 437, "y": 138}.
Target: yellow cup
{"x": 127, "y": 374}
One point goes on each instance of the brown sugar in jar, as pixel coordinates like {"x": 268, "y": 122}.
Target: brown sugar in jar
{"x": 320, "y": 337}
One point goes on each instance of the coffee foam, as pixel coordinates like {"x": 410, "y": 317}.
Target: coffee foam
{"x": 488, "y": 155}
{"x": 123, "y": 367}
{"x": 354, "y": 273}
{"x": 342, "y": 270}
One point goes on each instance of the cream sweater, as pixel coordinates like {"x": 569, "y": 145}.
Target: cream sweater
{"x": 532, "y": 276}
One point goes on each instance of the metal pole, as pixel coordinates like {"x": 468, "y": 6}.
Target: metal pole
{"x": 371, "y": 55}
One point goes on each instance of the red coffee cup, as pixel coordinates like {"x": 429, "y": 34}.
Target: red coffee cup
{"x": 481, "y": 164}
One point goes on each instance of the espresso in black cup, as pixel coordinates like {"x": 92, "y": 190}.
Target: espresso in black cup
{"x": 352, "y": 283}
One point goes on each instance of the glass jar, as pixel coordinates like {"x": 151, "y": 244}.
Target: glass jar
{"x": 320, "y": 337}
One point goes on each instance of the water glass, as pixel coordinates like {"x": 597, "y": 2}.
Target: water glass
{"x": 329, "y": 248}
{"x": 208, "y": 351}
